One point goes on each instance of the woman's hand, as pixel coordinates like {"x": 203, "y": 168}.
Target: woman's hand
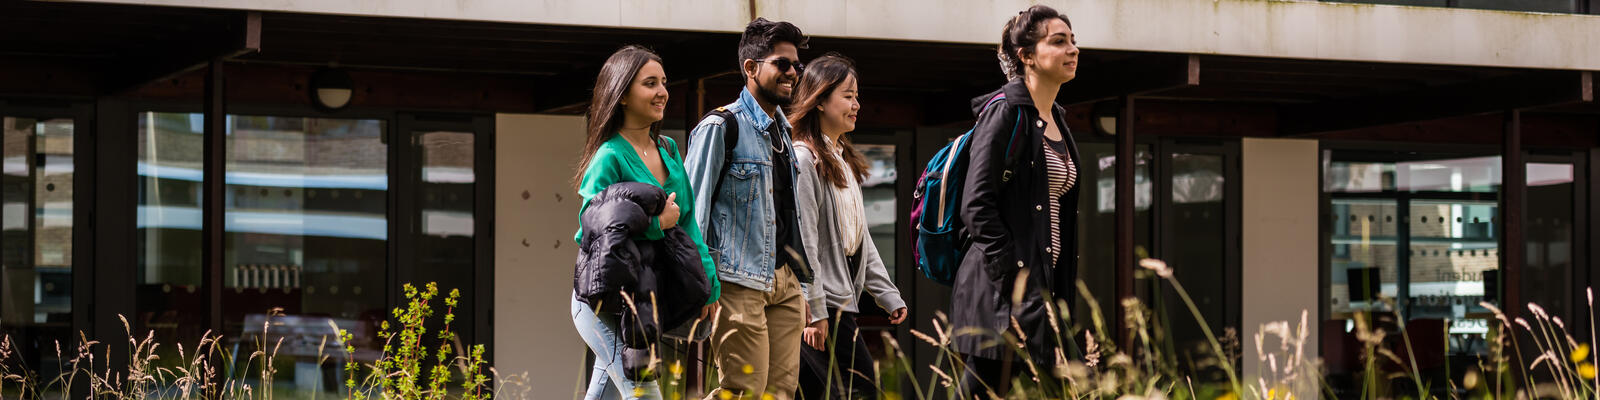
{"x": 669, "y": 214}
{"x": 897, "y": 316}
{"x": 816, "y": 334}
{"x": 710, "y": 311}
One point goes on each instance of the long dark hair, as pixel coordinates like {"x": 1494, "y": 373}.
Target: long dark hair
{"x": 1022, "y": 32}
{"x": 616, "y": 77}
{"x": 823, "y": 76}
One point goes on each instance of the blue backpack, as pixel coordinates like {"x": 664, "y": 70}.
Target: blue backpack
{"x": 942, "y": 240}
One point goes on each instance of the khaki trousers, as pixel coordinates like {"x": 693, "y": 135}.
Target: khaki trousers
{"x": 757, "y": 339}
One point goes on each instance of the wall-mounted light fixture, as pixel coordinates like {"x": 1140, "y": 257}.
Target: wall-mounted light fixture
{"x": 1105, "y": 117}
{"x": 331, "y": 89}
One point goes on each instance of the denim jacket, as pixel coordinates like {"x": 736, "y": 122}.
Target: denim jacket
{"x": 739, "y": 223}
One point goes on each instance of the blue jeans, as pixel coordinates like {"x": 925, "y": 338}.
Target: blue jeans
{"x": 607, "y": 381}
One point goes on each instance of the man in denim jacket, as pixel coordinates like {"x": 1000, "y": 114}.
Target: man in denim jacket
{"x": 750, "y": 223}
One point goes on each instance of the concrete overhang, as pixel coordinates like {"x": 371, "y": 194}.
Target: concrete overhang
{"x": 1254, "y": 28}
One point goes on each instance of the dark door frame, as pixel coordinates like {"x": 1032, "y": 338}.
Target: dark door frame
{"x": 117, "y": 135}
{"x": 1164, "y": 240}
{"x": 404, "y": 176}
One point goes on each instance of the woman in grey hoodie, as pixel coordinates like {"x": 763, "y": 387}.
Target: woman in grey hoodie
{"x": 834, "y": 228}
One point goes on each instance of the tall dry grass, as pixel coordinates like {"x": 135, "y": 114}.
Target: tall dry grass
{"x": 1085, "y": 365}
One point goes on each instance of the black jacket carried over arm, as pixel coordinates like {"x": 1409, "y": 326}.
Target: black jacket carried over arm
{"x": 1009, "y": 222}
{"x": 664, "y": 279}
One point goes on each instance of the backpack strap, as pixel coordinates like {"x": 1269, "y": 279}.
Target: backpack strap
{"x": 1011, "y": 144}
{"x": 1011, "y": 149}
{"x": 996, "y": 99}
{"x": 730, "y": 140}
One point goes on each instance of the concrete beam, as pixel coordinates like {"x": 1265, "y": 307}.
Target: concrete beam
{"x": 1260, "y": 28}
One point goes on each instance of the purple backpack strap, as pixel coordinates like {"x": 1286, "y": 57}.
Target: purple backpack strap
{"x": 997, "y": 97}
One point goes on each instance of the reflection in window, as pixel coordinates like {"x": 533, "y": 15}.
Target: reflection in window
{"x": 878, "y": 200}
{"x": 1198, "y": 223}
{"x": 1417, "y": 236}
{"x": 36, "y": 239}
{"x": 1097, "y": 220}
{"x": 168, "y": 299}
{"x": 1106, "y": 178}
{"x": 1477, "y": 174}
{"x": 443, "y": 249}
{"x": 305, "y": 232}
{"x": 1548, "y": 273}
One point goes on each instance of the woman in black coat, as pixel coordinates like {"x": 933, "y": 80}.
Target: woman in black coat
{"x": 1020, "y": 206}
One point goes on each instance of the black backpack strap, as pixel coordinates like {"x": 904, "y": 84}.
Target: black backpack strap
{"x": 730, "y": 140}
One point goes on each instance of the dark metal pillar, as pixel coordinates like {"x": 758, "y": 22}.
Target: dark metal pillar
{"x": 214, "y": 161}
{"x": 1124, "y": 215}
{"x": 1513, "y": 203}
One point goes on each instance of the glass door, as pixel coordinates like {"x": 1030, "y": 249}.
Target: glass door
{"x": 886, "y": 161}
{"x": 36, "y": 235}
{"x": 441, "y": 237}
{"x": 1199, "y": 240}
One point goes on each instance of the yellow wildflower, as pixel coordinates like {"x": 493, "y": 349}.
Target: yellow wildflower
{"x": 1586, "y": 370}
{"x": 749, "y": 369}
{"x": 1580, "y": 353}
{"x": 725, "y": 395}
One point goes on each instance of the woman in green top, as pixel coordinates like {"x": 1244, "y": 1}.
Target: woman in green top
{"x": 625, "y": 145}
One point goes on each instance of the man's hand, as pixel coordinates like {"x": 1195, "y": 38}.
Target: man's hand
{"x": 816, "y": 335}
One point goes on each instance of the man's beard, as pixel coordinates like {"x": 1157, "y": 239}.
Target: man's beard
{"x": 771, "y": 96}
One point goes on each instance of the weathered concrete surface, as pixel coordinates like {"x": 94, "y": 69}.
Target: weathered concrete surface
{"x": 1268, "y": 28}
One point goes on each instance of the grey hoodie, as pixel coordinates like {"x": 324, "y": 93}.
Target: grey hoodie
{"x": 841, "y": 285}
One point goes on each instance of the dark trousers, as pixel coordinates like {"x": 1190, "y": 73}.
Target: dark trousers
{"x": 851, "y": 363}
{"x": 985, "y": 374}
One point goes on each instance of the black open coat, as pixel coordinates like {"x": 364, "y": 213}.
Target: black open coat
{"x": 1009, "y": 221}
{"x": 611, "y": 262}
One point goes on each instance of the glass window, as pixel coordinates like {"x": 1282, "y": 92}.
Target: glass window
{"x": 168, "y": 299}
{"x": 1423, "y": 230}
{"x": 1097, "y": 221}
{"x": 1196, "y": 226}
{"x": 878, "y": 200}
{"x": 1364, "y": 243}
{"x": 306, "y": 232}
{"x": 1549, "y": 228}
{"x": 879, "y": 205}
{"x": 444, "y": 239}
{"x": 36, "y": 231}
{"x": 305, "y": 235}
{"x": 1449, "y": 258}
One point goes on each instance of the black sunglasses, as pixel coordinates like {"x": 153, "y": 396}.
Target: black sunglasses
{"x": 783, "y": 65}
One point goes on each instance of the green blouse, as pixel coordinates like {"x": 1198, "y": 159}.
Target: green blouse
{"x": 616, "y": 161}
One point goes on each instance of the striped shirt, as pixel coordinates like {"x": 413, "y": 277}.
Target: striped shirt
{"x": 1061, "y": 175}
